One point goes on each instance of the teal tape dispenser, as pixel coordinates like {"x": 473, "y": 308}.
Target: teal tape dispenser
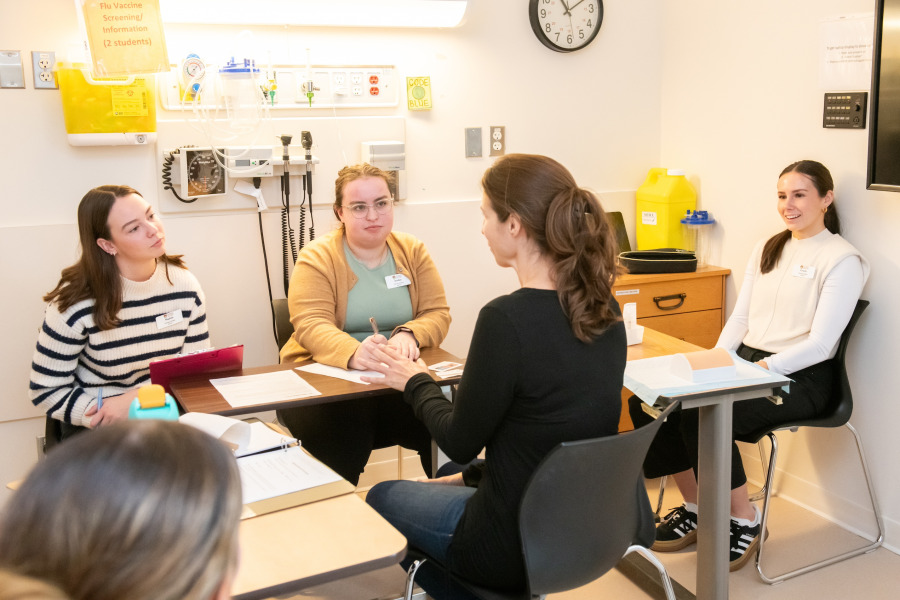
{"x": 153, "y": 402}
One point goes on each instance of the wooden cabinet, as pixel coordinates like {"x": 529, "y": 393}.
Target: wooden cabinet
{"x": 688, "y": 306}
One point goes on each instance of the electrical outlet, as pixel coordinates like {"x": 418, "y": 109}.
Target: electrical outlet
{"x": 498, "y": 140}
{"x": 44, "y": 64}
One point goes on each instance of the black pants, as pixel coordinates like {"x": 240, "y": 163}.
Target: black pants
{"x": 674, "y": 449}
{"x": 343, "y": 434}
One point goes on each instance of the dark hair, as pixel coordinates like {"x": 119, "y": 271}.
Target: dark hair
{"x": 569, "y": 227}
{"x": 142, "y": 509}
{"x": 821, "y": 179}
{"x": 96, "y": 274}
{"x": 352, "y": 173}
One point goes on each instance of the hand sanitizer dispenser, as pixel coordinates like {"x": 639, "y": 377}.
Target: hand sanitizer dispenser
{"x": 388, "y": 156}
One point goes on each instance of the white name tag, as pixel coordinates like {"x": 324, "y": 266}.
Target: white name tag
{"x": 396, "y": 280}
{"x": 169, "y": 319}
{"x": 807, "y": 272}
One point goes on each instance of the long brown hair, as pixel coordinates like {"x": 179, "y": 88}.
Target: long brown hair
{"x": 96, "y": 275}
{"x": 142, "y": 509}
{"x": 569, "y": 226}
{"x": 821, "y": 179}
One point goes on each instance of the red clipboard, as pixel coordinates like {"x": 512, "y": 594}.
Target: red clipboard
{"x": 206, "y": 361}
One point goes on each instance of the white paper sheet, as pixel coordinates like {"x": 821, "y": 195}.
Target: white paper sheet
{"x": 243, "y": 437}
{"x": 280, "y": 472}
{"x": 252, "y": 390}
{"x": 338, "y": 373}
{"x": 650, "y": 378}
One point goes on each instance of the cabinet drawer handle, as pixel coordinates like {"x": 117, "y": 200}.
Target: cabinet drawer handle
{"x": 680, "y": 297}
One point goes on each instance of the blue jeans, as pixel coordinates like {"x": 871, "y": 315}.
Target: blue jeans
{"x": 427, "y": 515}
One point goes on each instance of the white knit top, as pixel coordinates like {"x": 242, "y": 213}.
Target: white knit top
{"x": 799, "y": 309}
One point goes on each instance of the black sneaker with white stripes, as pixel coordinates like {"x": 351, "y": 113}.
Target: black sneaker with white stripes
{"x": 744, "y": 540}
{"x": 677, "y": 530}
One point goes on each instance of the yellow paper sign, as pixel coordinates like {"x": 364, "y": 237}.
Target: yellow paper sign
{"x": 125, "y": 37}
{"x": 418, "y": 93}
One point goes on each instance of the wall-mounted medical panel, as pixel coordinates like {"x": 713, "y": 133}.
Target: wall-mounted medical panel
{"x": 286, "y": 87}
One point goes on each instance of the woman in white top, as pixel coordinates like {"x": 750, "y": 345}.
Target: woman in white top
{"x": 798, "y": 294}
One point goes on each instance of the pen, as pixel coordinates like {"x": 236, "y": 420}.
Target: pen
{"x": 374, "y": 325}
{"x": 100, "y": 399}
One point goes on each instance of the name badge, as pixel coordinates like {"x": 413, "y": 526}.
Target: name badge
{"x": 396, "y": 280}
{"x": 807, "y": 272}
{"x": 169, "y": 319}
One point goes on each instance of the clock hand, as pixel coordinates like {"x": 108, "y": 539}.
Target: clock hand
{"x": 566, "y": 6}
{"x": 569, "y": 8}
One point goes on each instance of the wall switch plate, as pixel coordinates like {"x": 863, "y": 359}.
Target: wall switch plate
{"x": 44, "y": 65}
{"x": 498, "y": 140}
{"x": 473, "y": 142}
{"x": 11, "y": 73}
{"x": 845, "y": 110}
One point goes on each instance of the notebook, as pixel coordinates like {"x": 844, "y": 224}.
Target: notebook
{"x": 197, "y": 363}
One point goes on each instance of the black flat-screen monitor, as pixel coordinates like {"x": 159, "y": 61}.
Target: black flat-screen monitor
{"x": 883, "y": 171}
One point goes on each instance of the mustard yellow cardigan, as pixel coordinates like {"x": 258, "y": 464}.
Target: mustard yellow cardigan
{"x": 321, "y": 282}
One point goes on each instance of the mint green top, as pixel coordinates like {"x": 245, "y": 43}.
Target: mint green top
{"x": 370, "y": 297}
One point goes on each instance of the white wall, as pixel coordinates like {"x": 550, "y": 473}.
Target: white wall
{"x": 741, "y": 100}
{"x": 597, "y": 111}
{"x": 727, "y": 91}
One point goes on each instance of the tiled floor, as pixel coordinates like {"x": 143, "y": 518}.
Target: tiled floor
{"x": 796, "y": 535}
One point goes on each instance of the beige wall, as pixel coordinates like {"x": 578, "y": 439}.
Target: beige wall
{"x": 726, "y": 91}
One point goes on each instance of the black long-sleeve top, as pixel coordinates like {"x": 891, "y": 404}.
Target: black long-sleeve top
{"x": 528, "y": 385}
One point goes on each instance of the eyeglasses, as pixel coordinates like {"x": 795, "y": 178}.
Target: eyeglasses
{"x": 360, "y": 210}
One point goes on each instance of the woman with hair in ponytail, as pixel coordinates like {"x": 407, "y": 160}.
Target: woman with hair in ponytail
{"x": 123, "y": 304}
{"x": 798, "y": 294}
{"x": 544, "y": 366}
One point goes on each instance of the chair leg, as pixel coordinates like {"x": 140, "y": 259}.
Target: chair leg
{"x": 829, "y": 561}
{"x": 659, "y": 502}
{"x": 411, "y": 576}
{"x": 761, "y": 492}
{"x": 663, "y": 574}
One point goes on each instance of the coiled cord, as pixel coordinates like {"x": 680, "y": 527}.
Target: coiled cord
{"x": 167, "y": 178}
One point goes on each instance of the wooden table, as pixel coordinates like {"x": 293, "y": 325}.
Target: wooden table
{"x": 196, "y": 394}
{"x": 297, "y": 548}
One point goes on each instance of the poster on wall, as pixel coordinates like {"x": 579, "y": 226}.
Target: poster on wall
{"x": 846, "y": 52}
{"x": 125, "y": 38}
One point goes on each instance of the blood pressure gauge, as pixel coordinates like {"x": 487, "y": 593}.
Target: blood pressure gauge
{"x": 201, "y": 174}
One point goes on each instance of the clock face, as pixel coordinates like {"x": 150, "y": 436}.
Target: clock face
{"x": 565, "y": 25}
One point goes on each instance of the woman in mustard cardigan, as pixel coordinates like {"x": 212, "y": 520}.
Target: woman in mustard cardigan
{"x": 341, "y": 282}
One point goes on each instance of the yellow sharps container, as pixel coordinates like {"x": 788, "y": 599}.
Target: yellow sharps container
{"x": 108, "y": 111}
{"x": 662, "y": 200}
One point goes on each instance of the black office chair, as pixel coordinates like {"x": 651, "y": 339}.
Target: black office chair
{"x": 837, "y": 414}
{"x": 283, "y": 327}
{"x": 584, "y": 508}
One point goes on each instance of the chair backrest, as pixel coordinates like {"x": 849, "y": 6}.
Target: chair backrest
{"x": 841, "y": 406}
{"x": 283, "y": 328}
{"x": 585, "y": 504}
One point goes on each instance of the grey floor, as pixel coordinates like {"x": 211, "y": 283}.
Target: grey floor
{"x": 796, "y": 535}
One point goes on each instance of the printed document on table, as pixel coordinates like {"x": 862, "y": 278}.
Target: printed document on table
{"x": 281, "y": 472}
{"x": 251, "y": 390}
{"x": 349, "y": 375}
{"x": 650, "y": 378}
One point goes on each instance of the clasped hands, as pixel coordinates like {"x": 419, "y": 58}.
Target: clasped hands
{"x": 396, "y": 359}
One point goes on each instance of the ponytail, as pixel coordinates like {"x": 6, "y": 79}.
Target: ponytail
{"x": 568, "y": 226}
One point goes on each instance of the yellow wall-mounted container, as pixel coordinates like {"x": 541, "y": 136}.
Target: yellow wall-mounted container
{"x": 109, "y": 110}
{"x": 662, "y": 200}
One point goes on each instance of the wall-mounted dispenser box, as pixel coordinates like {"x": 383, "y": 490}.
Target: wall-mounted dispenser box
{"x": 389, "y": 156}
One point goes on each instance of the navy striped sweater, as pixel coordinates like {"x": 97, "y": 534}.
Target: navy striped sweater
{"x": 74, "y": 359}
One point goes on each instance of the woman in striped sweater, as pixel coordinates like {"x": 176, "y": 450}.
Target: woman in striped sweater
{"x": 123, "y": 304}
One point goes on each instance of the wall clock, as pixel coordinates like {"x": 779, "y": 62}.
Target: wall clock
{"x": 565, "y": 25}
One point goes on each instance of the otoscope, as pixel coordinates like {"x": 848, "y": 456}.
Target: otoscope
{"x": 306, "y": 141}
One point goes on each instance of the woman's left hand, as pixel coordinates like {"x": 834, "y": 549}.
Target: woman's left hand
{"x": 405, "y": 342}
{"x": 763, "y": 364}
{"x": 396, "y": 368}
{"x": 115, "y": 409}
